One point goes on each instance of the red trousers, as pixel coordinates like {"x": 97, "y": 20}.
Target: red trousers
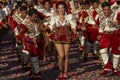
{"x": 92, "y": 34}
{"x": 116, "y": 42}
{"x": 111, "y": 40}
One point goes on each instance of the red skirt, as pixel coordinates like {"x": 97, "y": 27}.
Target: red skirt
{"x": 62, "y": 36}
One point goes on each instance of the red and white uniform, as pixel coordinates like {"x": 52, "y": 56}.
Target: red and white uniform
{"x": 11, "y": 20}
{"x": 116, "y": 40}
{"x": 93, "y": 24}
{"x": 32, "y": 41}
{"x": 82, "y": 19}
{"x": 110, "y": 39}
{"x": 15, "y": 21}
{"x": 31, "y": 36}
{"x": 92, "y": 31}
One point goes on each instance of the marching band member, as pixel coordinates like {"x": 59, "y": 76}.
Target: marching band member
{"x": 40, "y": 8}
{"x": 18, "y": 20}
{"x": 92, "y": 29}
{"x": 47, "y": 8}
{"x": 116, "y": 42}
{"x": 108, "y": 36}
{"x": 61, "y": 39}
{"x": 19, "y": 36}
{"x": 13, "y": 21}
{"x": 74, "y": 10}
{"x": 83, "y": 18}
{"x": 32, "y": 40}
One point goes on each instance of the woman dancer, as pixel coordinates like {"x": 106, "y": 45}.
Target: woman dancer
{"x": 63, "y": 29}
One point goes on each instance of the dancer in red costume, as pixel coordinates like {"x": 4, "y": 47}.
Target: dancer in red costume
{"x": 82, "y": 28}
{"x": 61, "y": 39}
{"x": 32, "y": 40}
{"x": 108, "y": 35}
{"x": 92, "y": 28}
{"x": 14, "y": 21}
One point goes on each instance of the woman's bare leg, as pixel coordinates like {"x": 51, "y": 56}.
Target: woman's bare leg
{"x": 45, "y": 45}
{"x": 60, "y": 50}
{"x": 66, "y": 49}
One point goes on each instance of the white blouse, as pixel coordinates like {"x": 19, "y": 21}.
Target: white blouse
{"x": 54, "y": 21}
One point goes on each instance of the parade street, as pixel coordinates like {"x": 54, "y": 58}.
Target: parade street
{"x": 78, "y": 70}
{"x": 59, "y": 39}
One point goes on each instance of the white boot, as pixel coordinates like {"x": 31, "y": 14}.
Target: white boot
{"x": 95, "y": 46}
{"x": 115, "y": 64}
{"x": 82, "y": 41}
{"x": 26, "y": 56}
{"x": 104, "y": 55}
{"x": 107, "y": 63}
{"x": 115, "y": 61}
